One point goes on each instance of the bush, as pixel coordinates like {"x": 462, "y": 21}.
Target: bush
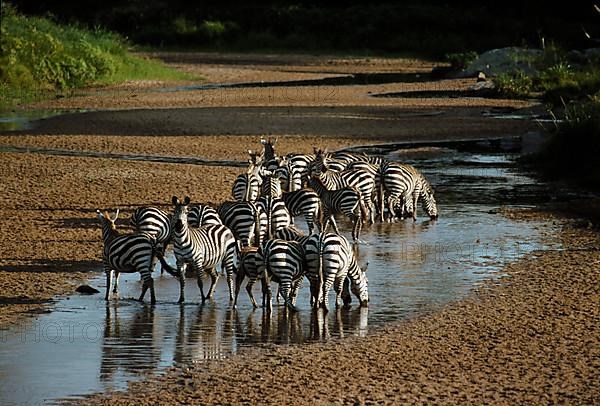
{"x": 38, "y": 55}
{"x": 573, "y": 146}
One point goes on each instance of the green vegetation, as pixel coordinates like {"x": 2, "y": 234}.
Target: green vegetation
{"x": 571, "y": 89}
{"x": 39, "y": 57}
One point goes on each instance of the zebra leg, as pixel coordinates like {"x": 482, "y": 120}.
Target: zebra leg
{"x": 109, "y": 274}
{"x": 230, "y": 271}
{"x": 285, "y": 287}
{"x": 415, "y": 198}
{"x": 249, "y": 287}
{"x": 327, "y": 284}
{"x": 268, "y": 303}
{"x": 295, "y": 289}
{"x": 334, "y": 225}
{"x": 338, "y": 286}
{"x": 181, "y": 267}
{"x": 239, "y": 278}
{"x": 214, "y": 277}
{"x": 346, "y": 296}
{"x": 116, "y": 287}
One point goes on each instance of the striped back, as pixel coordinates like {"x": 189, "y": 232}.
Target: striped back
{"x": 153, "y": 221}
{"x": 244, "y": 219}
{"x": 201, "y": 215}
{"x": 398, "y": 179}
{"x": 271, "y": 185}
{"x": 126, "y": 252}
{"x": 291, "y": 233}
{"x": 346, "y": 200}
{"x": 298, "y": 165}
{"x": 276, "y": 214}
{"x": 246, "y": 187}
{"x": 283, "y": 260}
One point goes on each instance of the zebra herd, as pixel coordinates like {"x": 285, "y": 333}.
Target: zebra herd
{"x": 253, "y": 236}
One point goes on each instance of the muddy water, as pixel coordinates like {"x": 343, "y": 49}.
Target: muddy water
{"x": 86, "y": 345}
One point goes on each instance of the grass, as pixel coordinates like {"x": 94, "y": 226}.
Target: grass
{"x": 39, "y": 58}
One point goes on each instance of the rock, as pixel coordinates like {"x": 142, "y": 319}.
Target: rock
{"x": 87, "y": 290}
{"x": 504, "y": 60}
{"x": 481, "y": 77}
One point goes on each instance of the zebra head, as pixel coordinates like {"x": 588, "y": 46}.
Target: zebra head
{"x": 268, "y": 152}
{"x": 107, "y": 219}
{"x": 180, "y": 213}
{"x": 361, "y": 289}
{"x": 428, "y": 201}
{"x": 319, "y": 165}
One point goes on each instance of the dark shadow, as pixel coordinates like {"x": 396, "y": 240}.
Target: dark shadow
{"x": 45, "y": 265}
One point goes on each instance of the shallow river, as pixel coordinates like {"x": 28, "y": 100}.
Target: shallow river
{"x": 85, "y": 345}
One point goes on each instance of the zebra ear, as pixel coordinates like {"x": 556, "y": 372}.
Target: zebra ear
{"x": 175, "y": 200}
{"x": 99, "y": 214}
{"x": 365, "y": 268}
{"x": 115, "y": 216}
{"x": 186, "y": 200}
{"x": 263, "y": 141}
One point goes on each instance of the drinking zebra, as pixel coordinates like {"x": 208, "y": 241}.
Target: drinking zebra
{"x": 283, "y": 262}
{"x": 403, "y": 185}
{"x": 359, "y": 179}
{"x": 202, "y": 215}
{"x": 347, "y": 201}
{"x": 129, "y": 253}
{"x": 202, "y": 249}
{"x": 329, "y": 261}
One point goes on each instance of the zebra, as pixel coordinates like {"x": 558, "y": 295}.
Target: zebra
{"x": 202, "y": 248}
{"x": 129, "y": 253}
{"x": 358, "y": 157}
{"x": 404, "y": 185}
{"x": 289, "y": 178}
{"x": 244, "y": 219}
{"x": 268, "y": 155}
{"x": 305, "y": 202}
{"x": 347, "y": 201}
{"x": 248, "y": 266}
{"x": 153, "y": 221}
{"x": 202, "y": 214}
{"x": 298, "y": 165}
{"x": 246, "y": 186}
{"x": 284, "y": 263}
{"x": 361, "y": 180}
{"x": 329, "y": 261}
{"x": 273, "y": 207}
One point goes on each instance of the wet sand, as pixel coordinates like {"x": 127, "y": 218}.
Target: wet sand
{"x": 531, "y": 338}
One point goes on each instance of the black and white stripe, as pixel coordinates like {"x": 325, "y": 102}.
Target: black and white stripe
{"x": 202, "y": 249}
{"x": 202, "y": 215}
{"x": 283, "y": 262}
{"x": 246, "y": 186}
{"x": 245, "y": 220}
{"x": 329, "y": 261}
{"x": 248, "y": 266}
{"x": 305, "y": 202}
{"x": 402, "y": 185}
{"x": 128, "y": 253}
{"x": 347, "y": 201}
{"x": 363, "y": 181}
{"x": 153, "y": 221}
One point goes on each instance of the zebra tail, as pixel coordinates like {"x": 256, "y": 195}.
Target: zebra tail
{"x": 321, "y": 282}
{"x": 256, "y": 225}
{"x": 364, "y": 214}
{"x": 320, "y": 216}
